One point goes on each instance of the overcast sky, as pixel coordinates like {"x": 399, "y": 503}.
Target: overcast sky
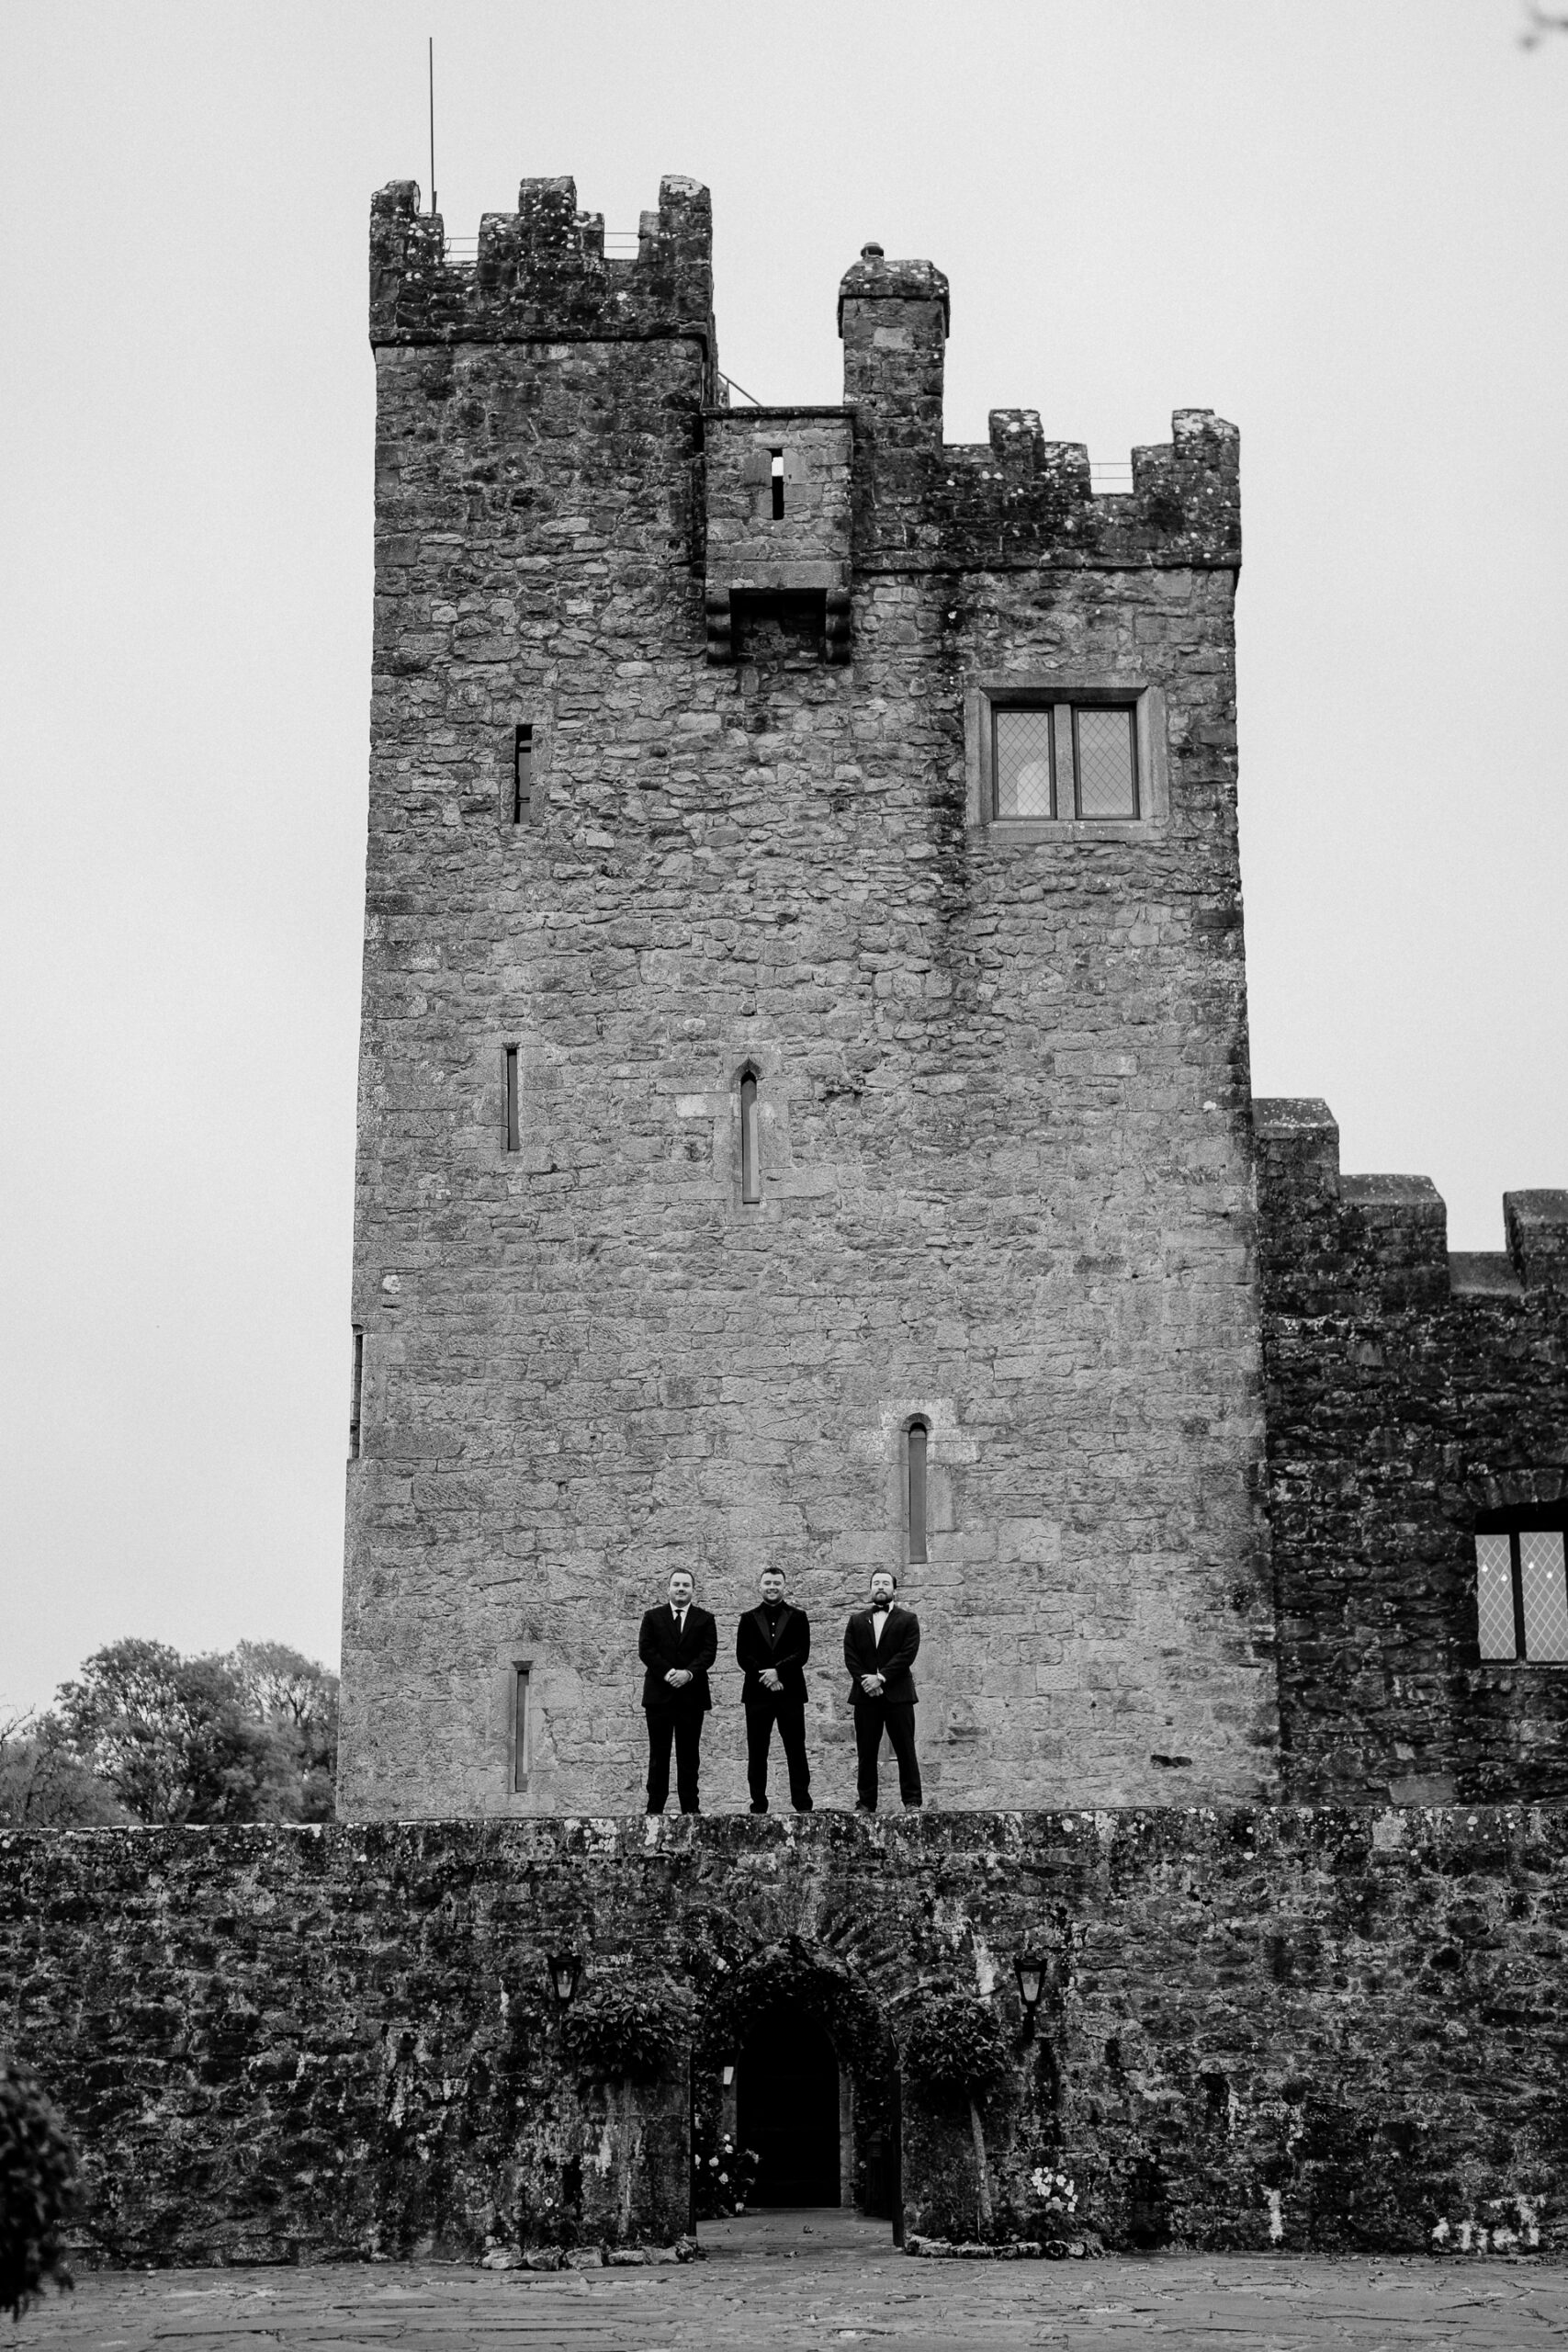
{"x": 1339, "y": 222}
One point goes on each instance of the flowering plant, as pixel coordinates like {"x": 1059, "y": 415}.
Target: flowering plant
{"x": 723, "y": 2176}
{"x": 1058, "y": 2196}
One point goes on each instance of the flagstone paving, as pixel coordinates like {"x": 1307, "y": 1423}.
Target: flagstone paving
{"x": 820, "y": 2279}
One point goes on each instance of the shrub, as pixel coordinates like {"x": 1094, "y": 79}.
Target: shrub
{"x": 628, "y": 2030}
{"x": 953, "y": 2047}
{"x": 723, "y": 2176}
{"x": 38, "y": 2175}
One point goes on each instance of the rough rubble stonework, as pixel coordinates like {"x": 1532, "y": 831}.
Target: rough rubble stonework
{"x": 1007, "y": 1182}
{"x": 1302, "y": 2026}
{"x": 1410, "y": 1390}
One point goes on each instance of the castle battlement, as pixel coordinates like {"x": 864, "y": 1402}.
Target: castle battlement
{"x": 1390, "y": 1232}
{"x": 541, "y": 273}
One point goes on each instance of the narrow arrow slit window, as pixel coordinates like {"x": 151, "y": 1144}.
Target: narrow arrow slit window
{"x": 510, "y": 1085}
{"x": 915, "y": 1444}
{"x": 751, "y": 1156}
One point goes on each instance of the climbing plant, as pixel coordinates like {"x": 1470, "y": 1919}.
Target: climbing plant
{"x": 954, "y": 2051}
{"x": 953, "y": 2047}
{"x": 628, "y": 2029}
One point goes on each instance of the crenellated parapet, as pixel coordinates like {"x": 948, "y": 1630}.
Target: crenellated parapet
{"x": 1020, "y": 501}
{"x": 1339, "y": 1241}
{"x": 1413, "y": 1394}
{"x": 541, "y": 273}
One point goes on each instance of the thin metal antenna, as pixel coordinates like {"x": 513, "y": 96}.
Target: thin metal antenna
{"x": 432, "y": 123}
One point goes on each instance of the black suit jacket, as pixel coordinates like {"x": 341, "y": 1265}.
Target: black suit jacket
{"x": 892, "y": 1657}
{"x": 754, "y": 1650}
{"x": 658, "y": 1650}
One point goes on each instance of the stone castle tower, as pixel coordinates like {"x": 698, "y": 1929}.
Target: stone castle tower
{"x": 804, "y": 1115}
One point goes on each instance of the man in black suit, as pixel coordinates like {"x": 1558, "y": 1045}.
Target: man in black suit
{"x": 678, "y": 1644}
{"x": 879, "y": 1649}
{"x": 772, "y": 1642}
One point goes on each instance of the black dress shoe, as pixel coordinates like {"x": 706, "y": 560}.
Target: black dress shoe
{"x": 806, "y": 1805}
{"x": 761, "y": 1808}
{"x": 865, "y": 1809}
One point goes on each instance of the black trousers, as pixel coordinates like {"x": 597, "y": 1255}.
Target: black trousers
{"x": 790, "y": 1716}
{"x": 897, "y": 1718}
{"x": 683, "y": 1727}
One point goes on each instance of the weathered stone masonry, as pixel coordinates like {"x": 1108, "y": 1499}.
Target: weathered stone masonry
{"x": 1007, "y": 1182}
{"x": 1410, "y": 1391}
{"x": 1341, "y": 2029}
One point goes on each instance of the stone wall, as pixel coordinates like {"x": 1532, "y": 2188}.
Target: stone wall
{"x": 1408, "y": 1391}
{"x": 1006, "y": 1182}
{"x": 1313, "y": 2028}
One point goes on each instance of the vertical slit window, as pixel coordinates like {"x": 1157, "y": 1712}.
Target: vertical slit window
{"x": 778, "y": 485}
{"x": 518, "y": 1778}
{"x": 917, "y": 1476}
{"x": 356, "y": 1395}
{"x": 511, "y": 1091}
{"x": 521, "y": 776}
{"x": 750, "y": 1156}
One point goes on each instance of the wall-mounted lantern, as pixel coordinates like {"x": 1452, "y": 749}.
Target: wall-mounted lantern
{"x": 728, "y": 2076}
{"x": 1034, "y": 1974}
{"x": 564, "y": 1967}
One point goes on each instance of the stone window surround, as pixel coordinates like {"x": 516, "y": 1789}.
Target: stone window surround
{"x": 1038, "y": 686}
{"x": 538, "y": 715}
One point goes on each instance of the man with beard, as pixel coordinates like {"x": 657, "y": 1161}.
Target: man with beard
{"x": 772, "y": 1645}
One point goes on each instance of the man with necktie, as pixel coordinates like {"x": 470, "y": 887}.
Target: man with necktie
{"x": 678, "y": 1644}
{"x": 772, "y": 1642}
{"x": 879, "y": 1649}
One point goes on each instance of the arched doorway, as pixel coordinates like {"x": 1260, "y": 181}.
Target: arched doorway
{"x": 788, "y": 2108}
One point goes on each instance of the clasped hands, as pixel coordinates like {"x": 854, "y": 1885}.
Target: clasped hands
{"x": 678, "y": 1678}
{"x": 872, "y": 1685}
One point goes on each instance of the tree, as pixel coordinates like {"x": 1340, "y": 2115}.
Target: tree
{"x": 298, "y": 1699}
{"x": 44, "y": 1786}
{"x": 172, "y": 1737}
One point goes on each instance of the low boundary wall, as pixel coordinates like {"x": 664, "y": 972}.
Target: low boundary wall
{"x": 1309, "y": 2028}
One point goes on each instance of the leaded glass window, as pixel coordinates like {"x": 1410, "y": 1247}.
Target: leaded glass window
{"x": 1521, "y": 1595}
{"x": 1064, "y": 760}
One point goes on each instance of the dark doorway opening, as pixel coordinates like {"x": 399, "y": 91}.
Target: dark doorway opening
{"x": 786, "y": 2085}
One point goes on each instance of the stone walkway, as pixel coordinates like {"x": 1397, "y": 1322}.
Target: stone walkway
{"x": 812, "y": 2280}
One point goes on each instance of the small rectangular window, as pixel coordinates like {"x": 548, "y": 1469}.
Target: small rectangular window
{"x": 356, "y": 1395}
{"x": 777, "y": 473}
{"x": 513, "y": 1128}
{"x": 1064, "y": 760}
{"x": 517, "y": 1777}
{"x": 521, "y": 776}
{"x": 1521, "y": 1595}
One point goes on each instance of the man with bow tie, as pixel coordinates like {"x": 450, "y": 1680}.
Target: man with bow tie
{"x": 678, "y": 1644}
{"x": 879, "y": 1649}
{"x": 772, "y": 1642}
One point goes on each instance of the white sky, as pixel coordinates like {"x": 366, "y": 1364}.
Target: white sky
{"x": 1339, "y": 222}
